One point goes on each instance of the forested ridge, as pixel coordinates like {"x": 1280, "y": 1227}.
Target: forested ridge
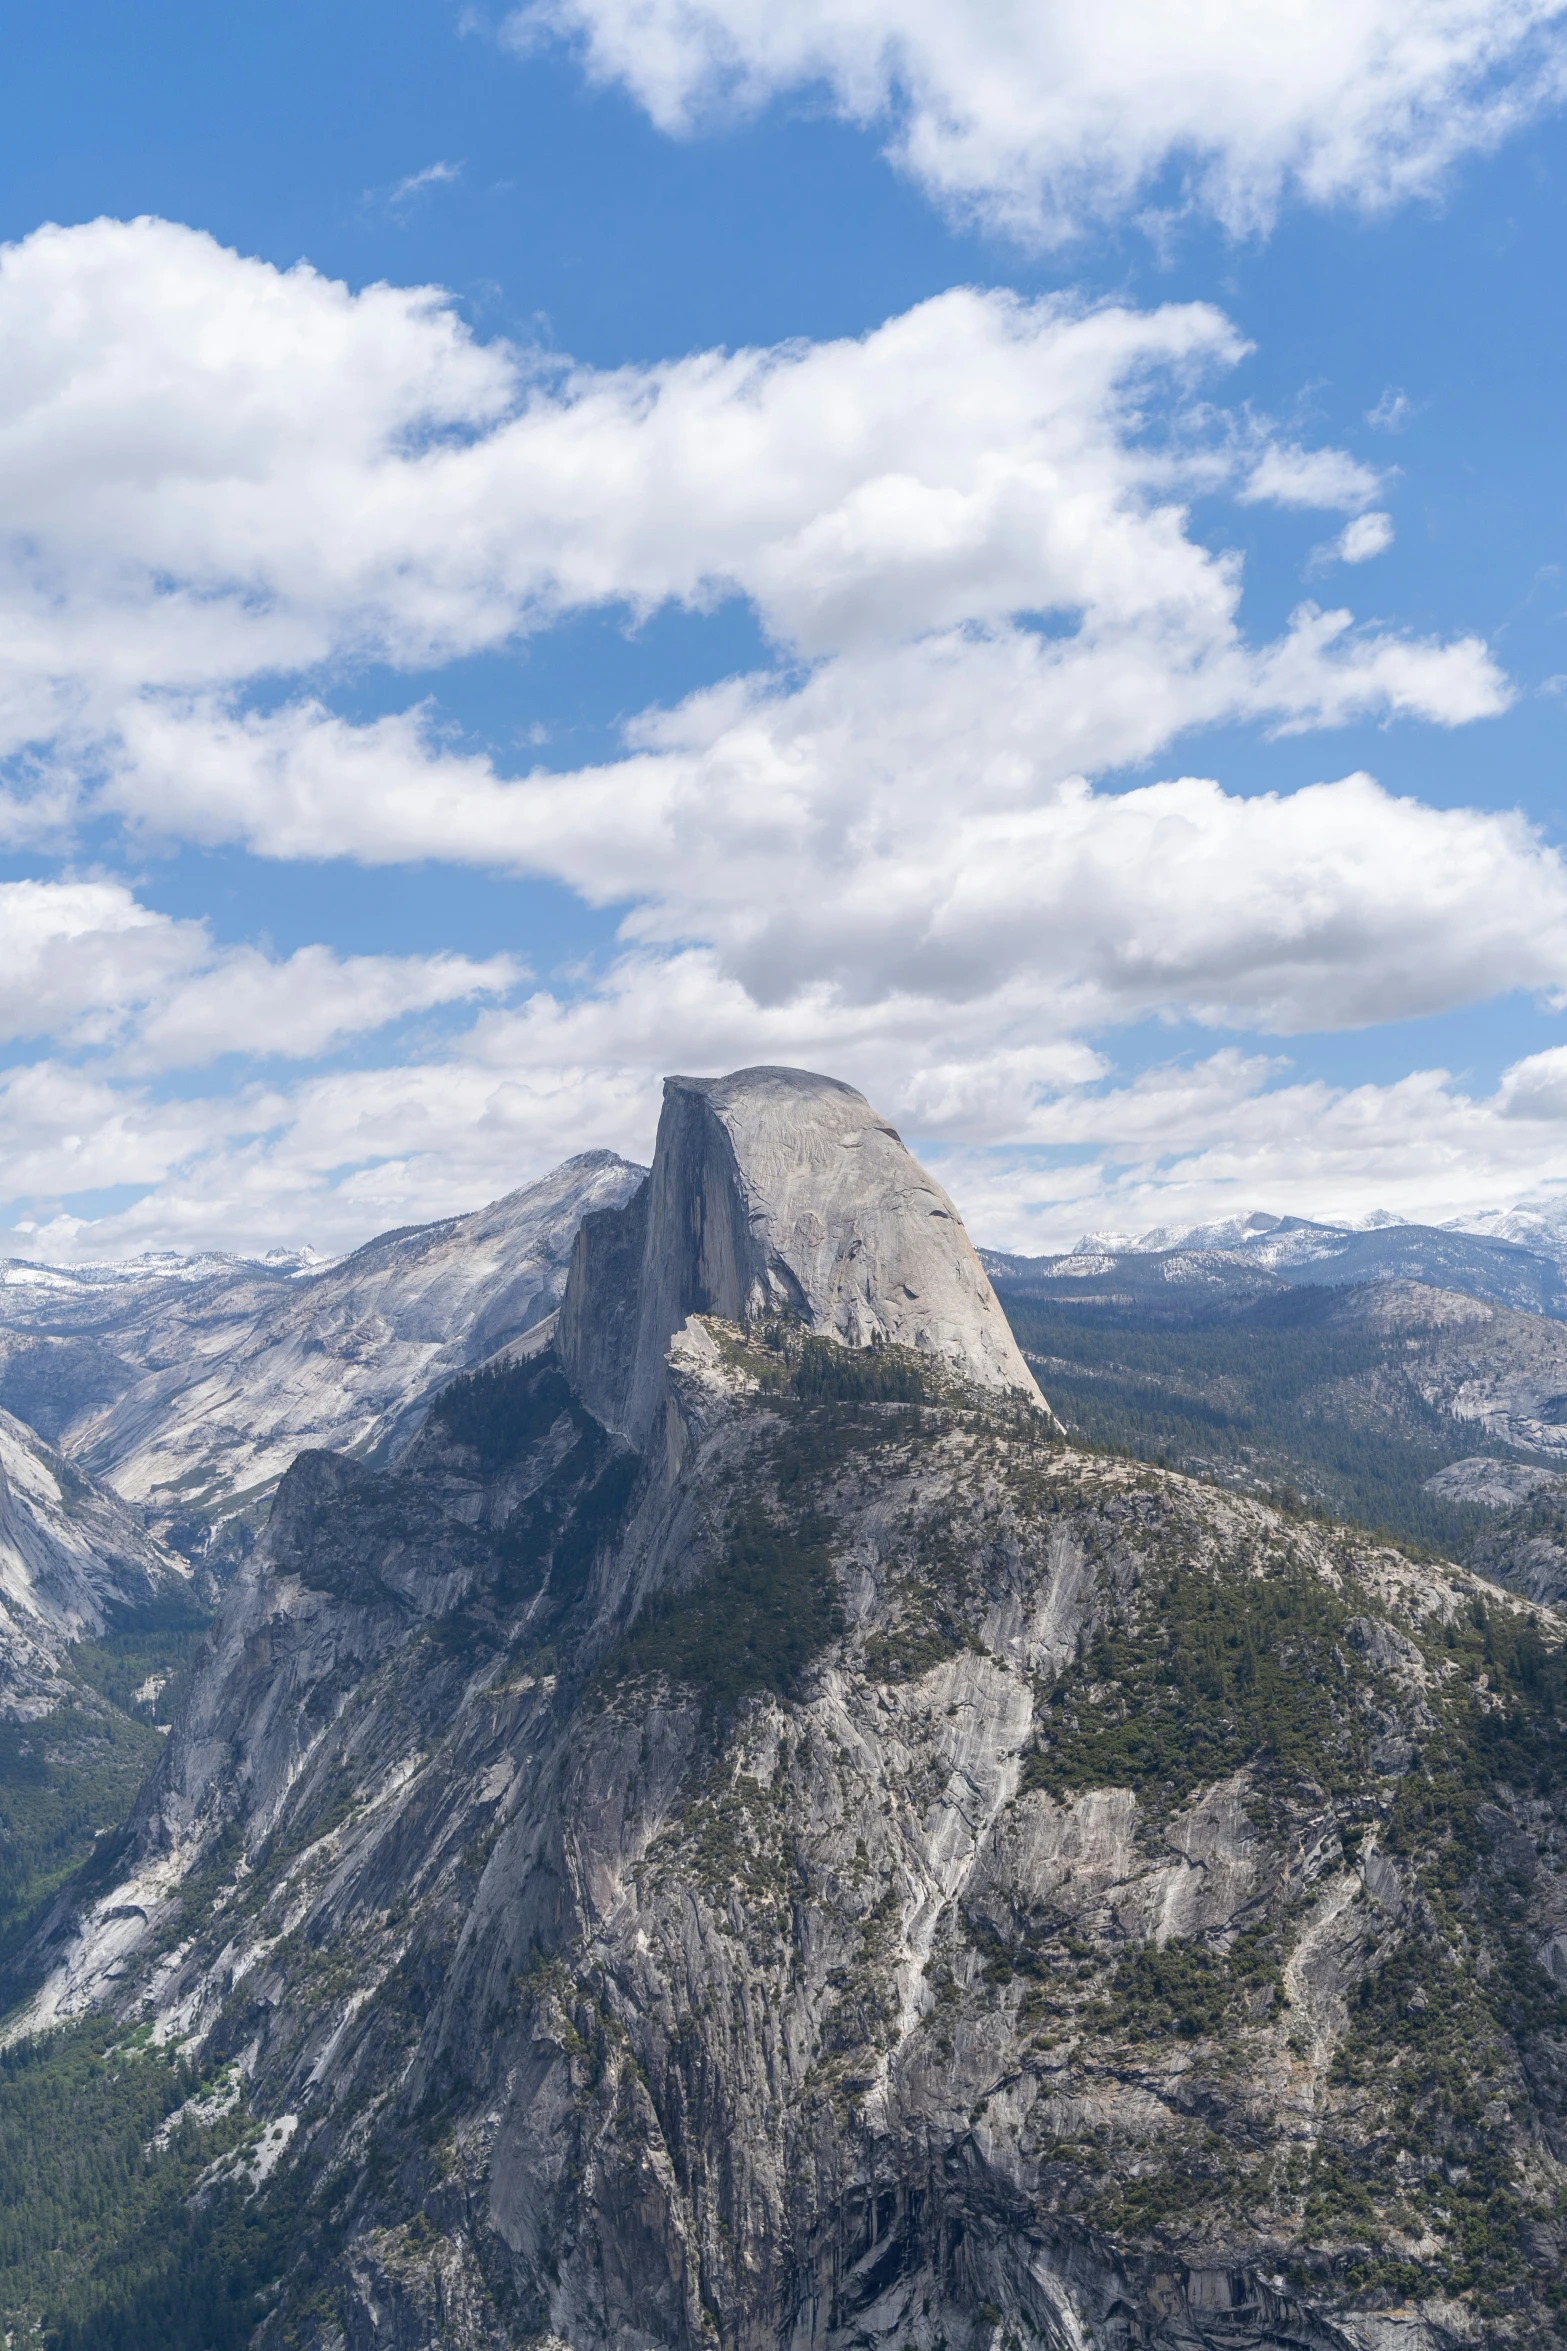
{"x": 1281, "y": 1396}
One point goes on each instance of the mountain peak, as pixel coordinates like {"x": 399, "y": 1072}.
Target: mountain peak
{"x": 776, "y": 1191}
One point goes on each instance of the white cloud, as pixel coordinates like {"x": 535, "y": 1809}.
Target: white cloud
{"x": 85, "y": 964}
{"x": 1368, "y": 535}
{"x": 1392, "y": 412}
{"x": 968, "y": 536}
{"x": 968, "y": 961}
{"x": 1186, "y": 1144}
{"x": 331, "y": 1160}
{"x": 434, "y": 175}
{"x": 954, "y": 974}
{"x": 302, "y": 1005}
{"x": 218, "y": 469}
{"x": 211, "y": 470}
{"x": 1039, "y": 116}
{"x": 1289, "y": 476}
{"x": 340, "y": 1157}
{"x": 883, "y": 747}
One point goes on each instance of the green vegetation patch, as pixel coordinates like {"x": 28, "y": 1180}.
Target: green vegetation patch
{"x": 753, "y": 1625}
{"x": 1183, "y": 1989}
{"x": 144, "y": 1645}
{"x": 68, "y": 1781}
{"x": 1174, "y": 2195}
{"x": 503, "y": 1414}
{"x": 877, "y": 1374}
{"x": 1282, "y": 1394}
{"x": 1221, "y": 1668}
{"x": 913, "y": 1647}
{"x": 816, "y": 1442}
{"x": 102, "y": 2245}
{"x": 64, "y": 1781}
{"x": 1189, "y": 1991}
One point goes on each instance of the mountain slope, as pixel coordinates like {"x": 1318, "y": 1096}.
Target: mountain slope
{"x": 72, "y": 1558}
{"x": 192, "y": 1396}
{"x": 1537, "y": 1224}
{"x": 854, "y": 1870}
{"x": 1356, "y": 1396}
{"x": 96, "y": 1621}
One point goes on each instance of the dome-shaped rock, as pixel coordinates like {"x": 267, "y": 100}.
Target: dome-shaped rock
{"x": 774, "y": 1190}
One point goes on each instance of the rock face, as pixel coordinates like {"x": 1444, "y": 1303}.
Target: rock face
{"x": 1493, "y": 1484}
{"x": 776, "y": 1192}
{"x": 191, "y": 1392}
{"x": 70, "y": 1554}
{"x": 858, "y": 1875}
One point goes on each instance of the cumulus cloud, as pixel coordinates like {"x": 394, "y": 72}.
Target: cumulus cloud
{"x": 1368, "y": 535}
{"x": 1185, "y": 1144}
{"x": 212, "y": 470}
{"x": 960, "y": 994}
{"x": 823, "y": 848}
{"x": 1039, "y": 116}
{"x": 85, "y": 964}
{"x": 333, "y": 1159}
{"x": 1285, "y": 475}
{"x": 968, "y": 537}
{"x": 1337, "y": 904}
{"x": 968, "y": 526}
{"x": 932, "y": 733}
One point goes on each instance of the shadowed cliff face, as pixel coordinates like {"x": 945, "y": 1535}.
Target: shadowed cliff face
{"x": 857, "y": 1874}
{"x": 776, "y": 1192}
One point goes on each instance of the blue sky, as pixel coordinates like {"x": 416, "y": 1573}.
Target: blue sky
{"x": 837, "y": 572}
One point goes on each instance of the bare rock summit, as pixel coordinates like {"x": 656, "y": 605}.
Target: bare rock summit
{"x": 775, "y": 1191}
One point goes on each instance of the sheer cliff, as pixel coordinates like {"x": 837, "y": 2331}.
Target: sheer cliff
{"x": 764, "y": 1842}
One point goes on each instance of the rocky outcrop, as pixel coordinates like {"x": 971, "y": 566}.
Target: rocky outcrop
{"x": 1488, "y": 1367}
{"x": 776, "y": 1193}
{"x": 1491, "y": 1484}
{"x": 1007, "y": 1955}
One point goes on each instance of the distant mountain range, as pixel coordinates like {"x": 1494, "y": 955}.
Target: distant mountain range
{"x": 1537, "y": 1225}
{"x": 1247, "y": 1256}
{"x": 190, "y": 1384}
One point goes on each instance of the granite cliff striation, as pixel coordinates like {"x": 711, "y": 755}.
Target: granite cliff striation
{"x": 744, "y": 1836}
